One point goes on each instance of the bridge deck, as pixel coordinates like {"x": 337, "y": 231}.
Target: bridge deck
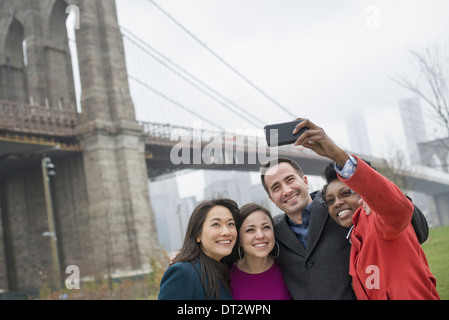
{"x": 28, "y": 131}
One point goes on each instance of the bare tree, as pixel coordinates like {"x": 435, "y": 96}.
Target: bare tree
{"x": 432, "y": 65}
{"x": 431, "y": 86}
{"x": 396, "y": 168}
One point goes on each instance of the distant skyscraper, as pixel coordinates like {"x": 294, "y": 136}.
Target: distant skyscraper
{"x": 415, "y": 132}
{"x": 414, "y": 129}
{"x": 185, "y": 208}
{"x": 235, "y": 185}
{"x": 172, "y": 213}
{"x": 358, "y": 134}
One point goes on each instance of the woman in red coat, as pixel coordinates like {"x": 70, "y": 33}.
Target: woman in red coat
{"x": 387, "y": 261}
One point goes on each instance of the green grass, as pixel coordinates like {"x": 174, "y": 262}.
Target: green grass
{"x": 437, "y": 253}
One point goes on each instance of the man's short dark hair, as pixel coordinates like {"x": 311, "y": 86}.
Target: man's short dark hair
{"x": 273, "y": 162}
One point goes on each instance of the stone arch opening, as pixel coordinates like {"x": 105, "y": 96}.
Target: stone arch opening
{"x": 13, "y": 86}
{"x": 61, "y": 90}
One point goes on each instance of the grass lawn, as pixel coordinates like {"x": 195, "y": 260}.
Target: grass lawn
{"x": 437, "y": 252}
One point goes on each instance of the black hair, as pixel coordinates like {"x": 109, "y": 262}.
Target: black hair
{"x": 330, "y": 174}
{"x": 212, "y": 271}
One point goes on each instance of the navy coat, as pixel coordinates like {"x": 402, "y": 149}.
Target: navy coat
{"x": 182, "y": 281}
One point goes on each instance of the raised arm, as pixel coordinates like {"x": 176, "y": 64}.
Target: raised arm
{"x": 392, "y": 209}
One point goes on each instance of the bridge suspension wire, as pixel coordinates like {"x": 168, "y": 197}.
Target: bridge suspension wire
{"x": 202, "y": 44}
{"x": 188, "y": 77}
{"x": 157, "y": 92}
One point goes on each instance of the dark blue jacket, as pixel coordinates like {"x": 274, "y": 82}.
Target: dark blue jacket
{"x": 182, "y": 281}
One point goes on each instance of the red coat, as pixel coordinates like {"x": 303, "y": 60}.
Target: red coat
{"x": 386, "y": 261}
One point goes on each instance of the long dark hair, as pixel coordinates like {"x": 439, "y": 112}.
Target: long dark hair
{"x": 212, "y": 271}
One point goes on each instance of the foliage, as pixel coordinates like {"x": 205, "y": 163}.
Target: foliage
{"x": 437, "y": 253}
{"x": 142, "y": 287}
{"x": 146, "y": 287}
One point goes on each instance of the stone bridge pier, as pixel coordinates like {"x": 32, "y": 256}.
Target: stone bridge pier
{"x": 102, "y": 213}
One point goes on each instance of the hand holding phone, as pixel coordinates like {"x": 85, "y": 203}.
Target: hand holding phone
{"x": 282, "y": 133}
{"x": 313, "y": 137}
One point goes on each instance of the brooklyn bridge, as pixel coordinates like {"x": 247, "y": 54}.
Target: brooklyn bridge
{"x": 74, "y": 171}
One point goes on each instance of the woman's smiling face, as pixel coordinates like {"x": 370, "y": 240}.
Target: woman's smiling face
{"x": 218, "y": 234}
{"x": 257, "y": 235}
{"x": 342, "y": 203}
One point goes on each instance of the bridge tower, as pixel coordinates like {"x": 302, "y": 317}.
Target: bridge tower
{"x": 102, "y": 212}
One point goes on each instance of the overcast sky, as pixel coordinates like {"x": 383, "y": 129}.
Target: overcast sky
{"x": 323, "y": 60}
{"x": 320, "y": 59}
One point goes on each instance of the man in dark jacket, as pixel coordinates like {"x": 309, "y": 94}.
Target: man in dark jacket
{"x": 314, "y": 251}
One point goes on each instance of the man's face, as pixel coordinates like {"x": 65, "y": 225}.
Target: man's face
{"x": 287, "y": 189}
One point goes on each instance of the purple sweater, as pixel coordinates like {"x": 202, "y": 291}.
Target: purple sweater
{"x": 268, "y": 285}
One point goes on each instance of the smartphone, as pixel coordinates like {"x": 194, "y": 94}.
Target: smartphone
{"x": 281, "y": 133}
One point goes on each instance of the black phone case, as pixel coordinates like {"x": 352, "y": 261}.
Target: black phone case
{"x": 282, "y": 132}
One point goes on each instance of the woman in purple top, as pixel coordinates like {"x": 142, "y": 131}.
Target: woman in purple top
{"x": 256, "y": 274}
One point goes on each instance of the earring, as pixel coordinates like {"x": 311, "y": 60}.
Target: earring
{"x": 240, "y": 254}
{"x": 279, "y": 250}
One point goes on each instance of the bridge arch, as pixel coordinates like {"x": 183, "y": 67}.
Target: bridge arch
{"x": 58, "y": 61}
{"x": 55, "y": 24}
{"x": 13, "y": 84}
